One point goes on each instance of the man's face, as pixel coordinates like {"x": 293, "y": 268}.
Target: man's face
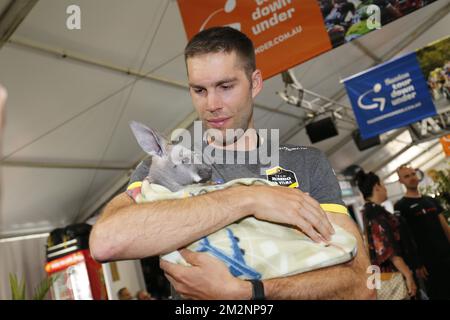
{"x": 408, "y": 177}
{"x": 125, "y": 295}
{"x": 221, "y": 91}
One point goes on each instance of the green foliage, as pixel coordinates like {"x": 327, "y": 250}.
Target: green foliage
{"x": 441, "y": 190}
{"x": 18, "y": 288}
{"x": 42, "y": 288}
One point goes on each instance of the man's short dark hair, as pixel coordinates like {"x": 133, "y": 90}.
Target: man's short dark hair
{"x": 223, "y": 39}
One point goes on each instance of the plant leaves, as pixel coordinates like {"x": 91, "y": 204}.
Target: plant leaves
{"x": 43, "y": 287}
{"x": 17, "y": 289}
{"x": 22, "y": 287}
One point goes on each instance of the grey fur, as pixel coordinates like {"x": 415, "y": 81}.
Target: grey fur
{"x": 172, "y": 166}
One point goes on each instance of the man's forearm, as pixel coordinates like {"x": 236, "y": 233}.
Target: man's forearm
{"x": 338, "y": 282}
{"x": 141, "y": 230}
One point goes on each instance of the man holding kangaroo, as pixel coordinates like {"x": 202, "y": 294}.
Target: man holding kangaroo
{"x": 223, "y": 82}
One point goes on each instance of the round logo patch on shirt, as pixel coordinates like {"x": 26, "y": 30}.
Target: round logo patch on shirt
{"x": 282, "y": 177}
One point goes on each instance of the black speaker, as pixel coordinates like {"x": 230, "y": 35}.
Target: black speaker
{"x": 321, "y": 130}
{"x": 364, "y": 144}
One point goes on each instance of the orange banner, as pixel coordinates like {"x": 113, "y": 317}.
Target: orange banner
{"x": 445, "y": 141}
{"x": 284, "y": 32}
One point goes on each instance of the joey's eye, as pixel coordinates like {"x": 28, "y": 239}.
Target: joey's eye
{"x": 185, "y": 161}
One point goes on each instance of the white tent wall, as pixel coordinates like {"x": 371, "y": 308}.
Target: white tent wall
{"x": 25, "y": 258}
{"x": 67, "y": 145}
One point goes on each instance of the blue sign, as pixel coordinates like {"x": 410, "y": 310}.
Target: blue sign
{"x": 389, "y": 96}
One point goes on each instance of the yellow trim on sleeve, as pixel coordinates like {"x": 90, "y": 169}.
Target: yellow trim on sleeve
{"x": 273, "y": 170}
{"x": 334, "y": 208}
{"x": 134, "y": 185}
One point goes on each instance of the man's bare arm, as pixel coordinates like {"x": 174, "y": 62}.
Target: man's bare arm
{"x": 346, "y": 281}
{"x": 127, "y": 230}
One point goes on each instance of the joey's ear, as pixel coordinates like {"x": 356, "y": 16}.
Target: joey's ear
{"x": 149, "y": 140}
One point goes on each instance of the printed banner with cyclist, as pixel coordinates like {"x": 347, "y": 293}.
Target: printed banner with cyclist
{"x": 347, "y": 20}
{"x": 434, "y": 60}
{"x": 288, "y": 32}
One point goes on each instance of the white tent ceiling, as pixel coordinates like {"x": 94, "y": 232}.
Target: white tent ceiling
{"x": 67, "y": 147}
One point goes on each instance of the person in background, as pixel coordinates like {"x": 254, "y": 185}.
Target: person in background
{"x": 124, "y": 294}
{"x": 431, "y": 233}
{"x": 143, "y": 295}
{"x": 382, "y": 231}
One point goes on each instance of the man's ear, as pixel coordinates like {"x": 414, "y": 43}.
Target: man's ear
{"x": 257, "y": 82}
{"x": 149, "y": 140}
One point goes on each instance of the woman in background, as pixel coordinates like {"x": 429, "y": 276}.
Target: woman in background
{"x": 383, "y": 240}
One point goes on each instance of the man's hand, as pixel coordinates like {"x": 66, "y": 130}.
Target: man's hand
{"x": 291, "y": 206}
{"x": 422, "y": 273}
{"x": 207, "y": 278}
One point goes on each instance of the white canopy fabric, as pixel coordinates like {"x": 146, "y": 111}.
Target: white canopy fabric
{"x": 67, "y": 147}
